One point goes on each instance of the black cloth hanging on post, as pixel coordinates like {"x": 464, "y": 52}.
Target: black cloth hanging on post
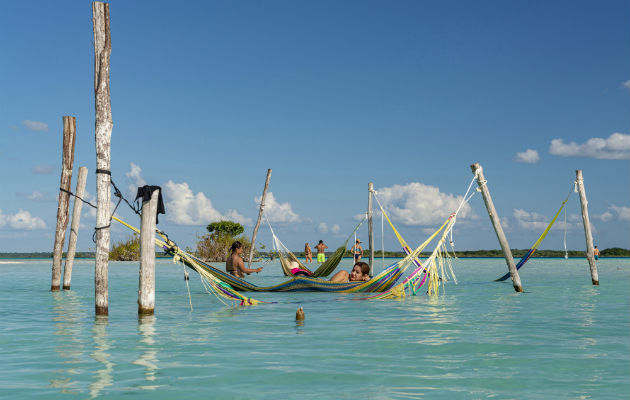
{"x": 145, "y": 192}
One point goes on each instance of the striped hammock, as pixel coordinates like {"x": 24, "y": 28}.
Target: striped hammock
{"x": 289, "y": 262}
{"x": 534, "y": 247}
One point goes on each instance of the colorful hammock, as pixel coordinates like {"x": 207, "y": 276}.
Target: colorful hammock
{"x": 534, "y": 247}
{"x": 213, "y": 285}
{"x": 383, "y": 281}
{"x": 290, "y": 263}
{"x": 433, "y": 270}
{"x": 228, "y": 286}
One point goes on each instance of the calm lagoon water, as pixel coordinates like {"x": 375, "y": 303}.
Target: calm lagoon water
{"x": 562, "y": 339}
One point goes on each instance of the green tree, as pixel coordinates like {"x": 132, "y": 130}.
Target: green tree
{"x": 225, "y": 228}
{"x": 215, "y": 246}
{"x": 127, "y": 250}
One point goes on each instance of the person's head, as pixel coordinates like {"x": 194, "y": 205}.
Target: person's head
{"x": 321, "y": 242}
{"x": 237, "y": 247}
{"x": 358, "y": 241}
{"x": 359, "y": 272}
{"x": 595, "y": 246}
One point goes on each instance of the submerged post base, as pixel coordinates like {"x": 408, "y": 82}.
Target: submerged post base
{"x": 145, "y": 311}
{"x": 100, "y": 310}
{"x": 66, "y": 287}
{"x": 54, "y": 288}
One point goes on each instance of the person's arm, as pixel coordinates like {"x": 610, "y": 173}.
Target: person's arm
{"x": 241, "y": 266}
{"x": 325, "y": 246}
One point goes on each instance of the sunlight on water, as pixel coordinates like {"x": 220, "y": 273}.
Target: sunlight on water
{"x": 562, "y": 338}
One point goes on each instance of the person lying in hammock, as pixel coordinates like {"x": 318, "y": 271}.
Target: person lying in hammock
{"x": 234, "y": 264}
{"x": 360, "y": 272}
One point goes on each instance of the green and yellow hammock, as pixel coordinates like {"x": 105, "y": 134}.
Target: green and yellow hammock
{"x": 289, "y": 261}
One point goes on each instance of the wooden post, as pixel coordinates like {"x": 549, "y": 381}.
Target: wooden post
{"x": 69, "y": 135}
{"x": 74, "y": 228}
{"x": 370, "y": 227}
{"x": 260, "y": 211}
{"x": 103, "y": 133}
{"x": 496, "y": 224}
{"x": 587, "y": 227}
{"x": 146, "y": 286}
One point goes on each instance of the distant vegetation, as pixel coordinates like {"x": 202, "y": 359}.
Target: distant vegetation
{"x": 215, "y": 246}
{"x": 128, "y": 250}
{"x": 615, "y": 252}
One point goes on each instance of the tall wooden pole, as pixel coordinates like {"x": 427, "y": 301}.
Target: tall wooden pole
{"x": 587, "y": 227}
{"x": 103, "y": 134}
{"x": 260, "y": 211}
{"x": 146, "y": 286}
{"x": 496, "y": 224}
{"x": 74, "y": 227}
{"x": 370, "y": 227}
{"x": 69, "y": 135}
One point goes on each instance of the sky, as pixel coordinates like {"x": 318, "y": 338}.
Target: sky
{"x": 331, "y": 95}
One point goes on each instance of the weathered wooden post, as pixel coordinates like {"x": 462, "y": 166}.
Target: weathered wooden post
{"x": 146, "y": 286}
{"x": 260, "y": 211}
{"x": 587, "y": 227}
{"x": 69, "y": 135}
{"x": 496, "y": 224}
{"x": 370, "y": 227}
{"x": 103, "y": 134}
{"x": 74, "y": 227}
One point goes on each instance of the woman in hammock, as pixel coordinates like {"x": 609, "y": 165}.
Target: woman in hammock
{"x": 235, "y": 265}
{"x": 360, "y": 272}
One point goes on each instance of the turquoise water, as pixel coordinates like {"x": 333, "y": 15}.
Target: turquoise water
{"x": 562, "y": 339}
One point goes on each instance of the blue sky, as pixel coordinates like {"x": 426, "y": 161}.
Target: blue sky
{"x": 330, "y": 95}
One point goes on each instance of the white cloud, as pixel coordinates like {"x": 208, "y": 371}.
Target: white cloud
{"x": 35, "y": 125}
{"x": 419, "y": 204}
{"x": 616, "y": 147}
{"x": 530, "y": 220}
{"x": 43, "y": 169}
{"x": 36, "y": 196}
{"x": 537, "y": 222}
{"x": 623, "y": 213}
{"x": 22, "y": 220}
{"x": 335, "y": 228}
{"x": 604, "y": 217}
{"x": 322, "y": 228}
{"x": 278, "y": 212}
{"x": 528, "y": 156}
{"x": 183, "y": 207}
{"x": 134, "y": 177}
{"x": 626, "y": 84}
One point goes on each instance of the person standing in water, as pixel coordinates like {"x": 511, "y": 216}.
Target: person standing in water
{"x": 321, "y": 248}
{"x": 596, "y": 253}
{"x": 235, "y": 265}
{"x": 357, "y": 251}
{"x": 308, "y": 253}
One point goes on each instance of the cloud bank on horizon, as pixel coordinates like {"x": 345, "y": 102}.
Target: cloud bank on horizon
{"x": 615, "y": 147}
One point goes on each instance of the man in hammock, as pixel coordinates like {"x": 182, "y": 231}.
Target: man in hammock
{"x": 235, "y": 265}
{"x": 360, "y": 272}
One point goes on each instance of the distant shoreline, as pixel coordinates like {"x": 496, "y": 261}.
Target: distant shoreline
{"x": 573, "y": 254}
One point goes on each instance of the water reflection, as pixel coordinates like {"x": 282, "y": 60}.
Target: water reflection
{"x": 69, "y": 344}
{"x": 148, "y": 359}
{"x": 103, "y": 377}
{"x": 299, "y": 326}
